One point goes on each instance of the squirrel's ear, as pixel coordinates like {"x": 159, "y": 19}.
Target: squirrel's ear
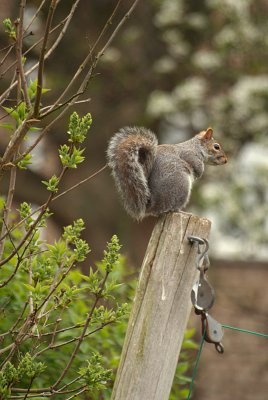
{"x": 208, "y": 134}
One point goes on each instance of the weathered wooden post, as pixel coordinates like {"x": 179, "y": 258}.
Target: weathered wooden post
{"x": 160, "y": 311}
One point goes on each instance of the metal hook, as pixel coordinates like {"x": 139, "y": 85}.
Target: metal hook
{"x": 196, "y": 239}
{"x": 203, "y": 253}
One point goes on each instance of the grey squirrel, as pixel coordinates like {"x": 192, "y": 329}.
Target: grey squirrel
{"x": 154, "y": 179}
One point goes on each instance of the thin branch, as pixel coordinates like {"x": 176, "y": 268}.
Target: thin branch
{"x": 55, "y": 44}
{"x": 62, "y": 329}
{"x": 7, "y": 47}
{"x": 67, "y": 102}
{"x": 19, "y": 319}
{"x": 35, "y": 15}
{"x": 48, "y": 53}
{"x": 33, "y": 46}
{"x": 71, "y": 383}
{"x": 18, "y": 102}
{"x": 54, "y": 198}
{"x": 18, "y": 47}
{"x": 81, "y": 182}
{"x": 54, "y": 287}
{"x": 85, "y": 82}
{"x": 35, "y": 224}
{"x": 27, "y": 235}
{"x": 56, "y": 346}
{"x": 89, "y": 55}
{"x": 20, "y": 257}
{"x": 15, "y": 142}
{"x": 59, "y": 105}
{"x": 77, "y": 394}
{"x": 29, "y": 387}
{"x": 41, "y": 62}
{"x": 47, "y": 392}
{"x": 11, "y": 276}
{"x": 10, "y": 48}
{"x": 83, "y": 333}
{"x": 31, "y": 283}
{"x": 7, "y": 92}
{"x": 7, "y": 210}
{"x": 43, "y": 390}
{"x": 56, "y": 327}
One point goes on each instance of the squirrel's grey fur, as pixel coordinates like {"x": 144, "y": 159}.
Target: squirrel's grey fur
{"x": 153, "y": 179}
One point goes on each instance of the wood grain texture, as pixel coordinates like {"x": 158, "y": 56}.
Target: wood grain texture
{"x": 160, "y": 311}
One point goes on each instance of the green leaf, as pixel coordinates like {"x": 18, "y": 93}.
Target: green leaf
{"x": 13, "y": 113}
{"x": 189, "y": 344}
{"x": 21, "y": 110}
{"x": 52, "y": 184}
{"x": 78, "y": 127}
{"x": 10, "y": 29}
{"x": 23, "y": 164}
{"x": 7, "y": 126}
{"x": 30, "y": 287}
{"x": 34, "y": 129}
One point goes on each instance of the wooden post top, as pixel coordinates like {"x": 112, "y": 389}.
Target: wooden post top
{"x": 161, "y": 309}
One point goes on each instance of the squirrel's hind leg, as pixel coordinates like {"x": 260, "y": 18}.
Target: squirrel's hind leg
{"x": 169, "y": 194}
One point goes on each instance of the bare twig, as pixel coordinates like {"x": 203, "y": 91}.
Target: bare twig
{"x": 67, "y": 102}
{"x": 83, "y": 333}
{"x": 19, "y": 319}
{"x": 28, "y": 234}
{"x": 15, "y": 142}
{"x": 19, "y": 25}
{"x": 76, "y": 326}
{"x": 56, "y": 327}
{"x": 63, "y": 104}
{"x": 29, "y": 387}
{"x": 81, "y": 182}
{"x": 31, "y": 283}
{"x": 89, "y": 55}
{"x": 35, "y": 15}
{"x": 56, "y": 346}
{"x": 47, "y": 392}
{"x": 77, "y": 394}
{"x": 48, "y": 53}
{"x": 11, "y": 276}
{"x": 7, "y": 210}
{"x": 85, "y": 82}
{"x": 41, "y": 62}
{"x": 10, "y": 48}
{"x": 34, "y": 225}
{"x": 33, "y": 46}
{"x": 54, "y": 198}
{"x": 3, "y": 350}
{"x": 13, "y": 80}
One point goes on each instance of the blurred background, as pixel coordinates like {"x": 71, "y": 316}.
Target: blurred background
{"x": 177, "y": 67}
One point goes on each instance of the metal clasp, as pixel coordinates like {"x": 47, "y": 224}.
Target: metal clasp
{"x": 203, "y": 295}
{"x": 213, "y": 331}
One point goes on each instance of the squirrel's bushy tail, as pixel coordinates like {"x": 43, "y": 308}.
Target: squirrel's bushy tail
{"x": 131, "y": 153}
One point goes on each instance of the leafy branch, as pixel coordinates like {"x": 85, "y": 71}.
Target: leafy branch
{"x": 46, "y": 304}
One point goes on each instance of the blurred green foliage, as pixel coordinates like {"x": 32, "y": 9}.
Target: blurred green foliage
{"x": 60, "y": 314}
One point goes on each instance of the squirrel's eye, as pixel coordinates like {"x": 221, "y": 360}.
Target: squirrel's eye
{"x": 216, "y": 146}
